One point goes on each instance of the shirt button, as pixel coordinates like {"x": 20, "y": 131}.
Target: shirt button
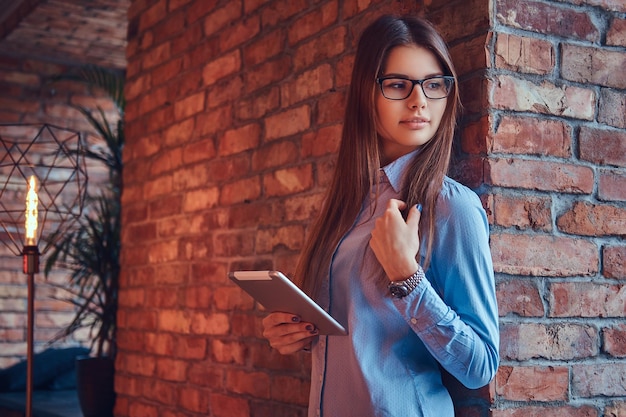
{"x": 413, "y": 320}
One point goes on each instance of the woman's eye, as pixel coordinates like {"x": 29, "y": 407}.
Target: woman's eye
{"x": 434, "y": 85}
{"x": 397, "y": 85}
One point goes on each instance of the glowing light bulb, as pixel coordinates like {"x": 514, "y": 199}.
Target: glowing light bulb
{"x": 32, "y": 203}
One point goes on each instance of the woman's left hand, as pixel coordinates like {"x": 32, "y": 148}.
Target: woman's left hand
{"x": 395, "y": 242}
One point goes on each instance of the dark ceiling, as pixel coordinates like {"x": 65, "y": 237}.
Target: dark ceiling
{"x": 65, "y": 31}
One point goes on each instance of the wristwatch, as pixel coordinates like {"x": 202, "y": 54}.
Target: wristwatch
{"x": 400, "y": 289}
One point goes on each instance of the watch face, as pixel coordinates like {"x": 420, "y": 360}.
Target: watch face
{"x": 398, "y": 290}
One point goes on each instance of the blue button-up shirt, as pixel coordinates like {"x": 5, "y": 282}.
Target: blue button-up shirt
{"x": 388, "y": 365}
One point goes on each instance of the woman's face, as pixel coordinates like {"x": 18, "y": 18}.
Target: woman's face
{"x": 404, "y": 125}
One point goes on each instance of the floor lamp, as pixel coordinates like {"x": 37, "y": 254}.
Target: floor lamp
{"x": 42, "y": 191}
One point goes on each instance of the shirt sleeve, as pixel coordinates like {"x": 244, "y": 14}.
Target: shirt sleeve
{"x": 454, "y": 311}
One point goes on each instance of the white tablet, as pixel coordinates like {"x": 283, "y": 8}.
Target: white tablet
{"x": 275, "y": 292}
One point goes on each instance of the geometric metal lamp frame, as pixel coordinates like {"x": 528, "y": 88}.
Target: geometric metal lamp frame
{"x": 53, "y": 155}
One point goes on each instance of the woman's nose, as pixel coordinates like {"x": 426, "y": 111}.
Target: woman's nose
{"x": 417, "y": 99}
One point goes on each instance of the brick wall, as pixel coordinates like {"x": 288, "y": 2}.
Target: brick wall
{"x": 27, "y": 97}
{"x": 555, "y": 180}
{"x": 233, "y": 120}
{"x": 233, "y": 116}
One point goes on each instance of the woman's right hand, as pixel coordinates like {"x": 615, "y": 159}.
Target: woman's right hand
{"x": 287, "y": 333}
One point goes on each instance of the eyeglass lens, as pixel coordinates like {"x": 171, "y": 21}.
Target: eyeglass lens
{"x": 401, "y": 88}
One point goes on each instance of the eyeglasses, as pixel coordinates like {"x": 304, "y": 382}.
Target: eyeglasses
{"x": 395, "y": 88}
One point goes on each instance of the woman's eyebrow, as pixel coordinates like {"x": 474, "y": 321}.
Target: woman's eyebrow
{"x": 406, "y": 77}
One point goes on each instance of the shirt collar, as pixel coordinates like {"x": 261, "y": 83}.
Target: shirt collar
{"x": 395, "y": 171}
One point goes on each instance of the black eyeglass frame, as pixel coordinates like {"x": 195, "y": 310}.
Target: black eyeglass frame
{"x": 448, "y": 78}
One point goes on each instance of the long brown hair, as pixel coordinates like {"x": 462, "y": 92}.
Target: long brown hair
{"x": 358, "y": 163}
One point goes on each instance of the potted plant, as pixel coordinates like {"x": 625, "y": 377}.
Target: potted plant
{"x": 90, "y": 250}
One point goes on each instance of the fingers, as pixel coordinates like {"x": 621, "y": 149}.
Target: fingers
{"x": 286, "y": 333}
{"x": 413, "y": 218}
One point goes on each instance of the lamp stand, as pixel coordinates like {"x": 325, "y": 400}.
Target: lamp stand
{"x": 30, "y": 267}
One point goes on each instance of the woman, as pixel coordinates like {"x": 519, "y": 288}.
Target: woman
{"x": 391, "y": 214}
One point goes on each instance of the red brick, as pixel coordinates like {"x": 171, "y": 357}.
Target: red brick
{"x": 241, "y": 191}
{"x": 322, "y": 142}
{"x": 166, "y": 162}
{"x": 239, "y": 139}
{"x": 171, "y": 370}
{"x": 228, "y": 352}
{"x": 259, "y": 104}
{"x": 616, "y": 35}
{"x": 603, "y": 147}
{"x": 139, "y": 364}
{"x": 290, "y": 389}
{"x": 524, "y": 54}
{"x": 156, "y": 390}
{"x": 289, "y": 237}
{"x": 231, "y": 244}
{"x": 200, "y": 199}
{"x": 281, "y": 10}
{"x": 256, "y": 384}
{"x": 132, "y": 297}
{"x": 172, "y": 320}
{"x": 225, "y": 92}
{"x": 531, "y": 383}
{"x": 227, "y": 406}
{"x": 471, "y": 55}
{"x": 268, "y": 73}
{"x": 165, "y": 207}
{"x": 614, "y": 262}
{"x": 512, "y": 93}
{"x": 288, "y": 122}
{"x": 288, "y": 181}
{"x": 275, "y": 154}
{"x": 521, "y": 135}
{"x": 310, "y": 84}
{"x": 194, "y": 399}
{"x": 522, "y": 212}
{"x": 519, "y": 297}
{"x": 220, "y": 169}
{"x": 614, "y": 340}
{"x": 152, "y": 100}
{"x": 210, "y": 324}
{"x": 189, "y": 106}
{"x": 202, "y": 150}
{"x": 566, "y": 341}
{"x": 547, "y": 411}
{"x": 152, "y": 15}
{"x": 543, "y": 255}
{"x": 611, "y": 186}
{"x": 159, "y": 186}
{"x": 199, "y": 9}
{"x": 221, "y": 67}
{"x": 137, "y": 408}
{"x": 598, "y": 379}
{"x": 612, "y": 110}
{"x": 330, "y": 108}
{"x": 156, "y": 56}
{"x": 253, "y": 214}
{"x": 245, "y": 30}
{"x": 547, "y": 18}
{"x": 320, "y": 49}
{"x": 540, "y": 175}
{"x": 313, "y": 22}
{"x": 162, "y": 297}
{"x": 582, "y": 299}
{"x": 593, "y": 66}
{"x": 588, "y": 219}
{"x": 219, "y": 20}
{"x": 209, "y": 122}
{"x": 264, "y": 46}
{"x": 615, "y": 409}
